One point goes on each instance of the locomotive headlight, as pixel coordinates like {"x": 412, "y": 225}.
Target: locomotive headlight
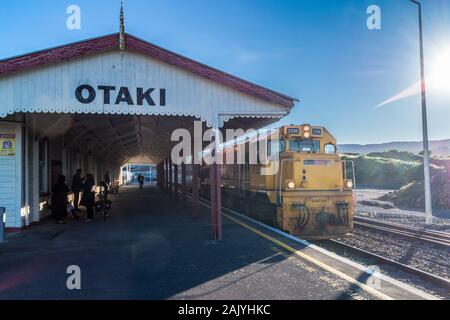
{"x": 291, "y": 185}
{"x": 306, "y": 128}
{"x": 306, "y": 134}
{"x": 349, "y": 184}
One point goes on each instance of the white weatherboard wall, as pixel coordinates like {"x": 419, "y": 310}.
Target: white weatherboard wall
{"x": 11, "y": 179}
{"x": 52, "y": 89}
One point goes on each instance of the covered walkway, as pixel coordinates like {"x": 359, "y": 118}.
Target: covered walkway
{"x": 98, "y": 104}
{"x": 151, "y": 248}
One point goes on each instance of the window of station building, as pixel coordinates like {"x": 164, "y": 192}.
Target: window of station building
{"x": 330, "y": 148}
{"x": 304, "y": 145}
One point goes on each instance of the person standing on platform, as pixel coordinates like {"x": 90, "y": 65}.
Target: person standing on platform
{"x": 106, "y": 178}
{"x": 77, "y": 186}
{"x": 60, "y": 191}
{"x": 88, "y": 198}
{"x": 106, "y": 184}
{"x": 141, "y": 181}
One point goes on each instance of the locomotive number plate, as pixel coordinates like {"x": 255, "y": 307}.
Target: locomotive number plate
{"x": 293, "y": 131}
{"x": 318, "y": 202}
{"x": 316, "y": 162}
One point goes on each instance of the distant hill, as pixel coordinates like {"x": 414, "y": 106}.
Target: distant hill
{"x": 439, "y": 147}
{"x": 384, "y": 173}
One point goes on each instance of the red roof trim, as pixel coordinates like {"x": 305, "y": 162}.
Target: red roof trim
{"x": 58, "y": 54}
{"x": 138, "y": 45}
{"x": 111, "y": 42}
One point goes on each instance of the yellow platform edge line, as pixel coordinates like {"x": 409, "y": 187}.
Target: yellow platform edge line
{"x": 320, "y": 264}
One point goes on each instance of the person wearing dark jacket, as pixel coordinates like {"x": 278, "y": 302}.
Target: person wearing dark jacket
{"x": 141, "y": 180}
{"x": 60, "y": 192}
{"x": 88, "y": 198}
{"x": 106, "y": 183}
{"x": 77, "y": 186}
{"x": 106, "y": 178}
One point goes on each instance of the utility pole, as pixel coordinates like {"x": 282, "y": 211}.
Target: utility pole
{"x": 426, "y": 152}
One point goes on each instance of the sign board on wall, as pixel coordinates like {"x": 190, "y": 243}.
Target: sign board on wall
{"x": 7, "y": 144}
{"x": 129, "y": 83}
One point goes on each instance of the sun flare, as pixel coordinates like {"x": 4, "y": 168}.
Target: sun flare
{"x": 440, "y": 72}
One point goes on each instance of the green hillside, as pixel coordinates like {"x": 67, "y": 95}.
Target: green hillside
{"x": 381, "y": 172}
{"x": 403, "y": 171}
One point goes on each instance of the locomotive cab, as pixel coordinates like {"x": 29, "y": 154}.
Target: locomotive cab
{"x": 314, "y": 194}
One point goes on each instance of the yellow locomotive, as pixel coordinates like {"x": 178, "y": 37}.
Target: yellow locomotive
{"x": 310, "y": 196}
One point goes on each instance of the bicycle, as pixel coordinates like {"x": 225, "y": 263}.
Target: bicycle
{"x": 103, "y": 204}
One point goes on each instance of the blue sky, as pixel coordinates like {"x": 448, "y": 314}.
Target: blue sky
{"x": 319, "y": 51}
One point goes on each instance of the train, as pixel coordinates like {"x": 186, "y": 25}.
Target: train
{"x": 310, "y": 195}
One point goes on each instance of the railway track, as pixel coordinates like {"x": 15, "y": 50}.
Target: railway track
{"x": 429, "y": 236}
{"x": 380, "y": 260}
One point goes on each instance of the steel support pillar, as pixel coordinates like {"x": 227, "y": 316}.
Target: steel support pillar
{"x": 216, "y": 201}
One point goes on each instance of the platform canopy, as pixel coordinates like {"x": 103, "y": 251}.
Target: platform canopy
{"x": 127, "y": 96}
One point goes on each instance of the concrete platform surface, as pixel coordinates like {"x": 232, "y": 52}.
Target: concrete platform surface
{"x": 151, "y": 248}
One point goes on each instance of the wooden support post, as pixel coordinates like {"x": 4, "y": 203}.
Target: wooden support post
{"x": 175, "y": 182}
{"x": 216, "y": 201}
{"x": 170, "y": 178}
{"x": 183, "y": 184}
{"x": 195, "y": 178}
{"x": 212, "y": 180}
{"x": 166, "y": 172}
{"x": 218, "y": 177}
{"x": 195, "y": 186}
{"x": 158, "y": 175}
{"x": 162, "y": 176}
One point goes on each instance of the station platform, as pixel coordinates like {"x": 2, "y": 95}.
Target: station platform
{"x": 151, "y": 248}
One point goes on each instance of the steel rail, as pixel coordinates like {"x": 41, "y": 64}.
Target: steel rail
{"x": 430, "y": 236}
{"x": 440, "y": 281}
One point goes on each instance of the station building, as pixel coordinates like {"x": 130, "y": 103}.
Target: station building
{"x": 103, "y": 102}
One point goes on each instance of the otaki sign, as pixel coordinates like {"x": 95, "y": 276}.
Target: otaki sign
{"x": 87, "y": 94}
